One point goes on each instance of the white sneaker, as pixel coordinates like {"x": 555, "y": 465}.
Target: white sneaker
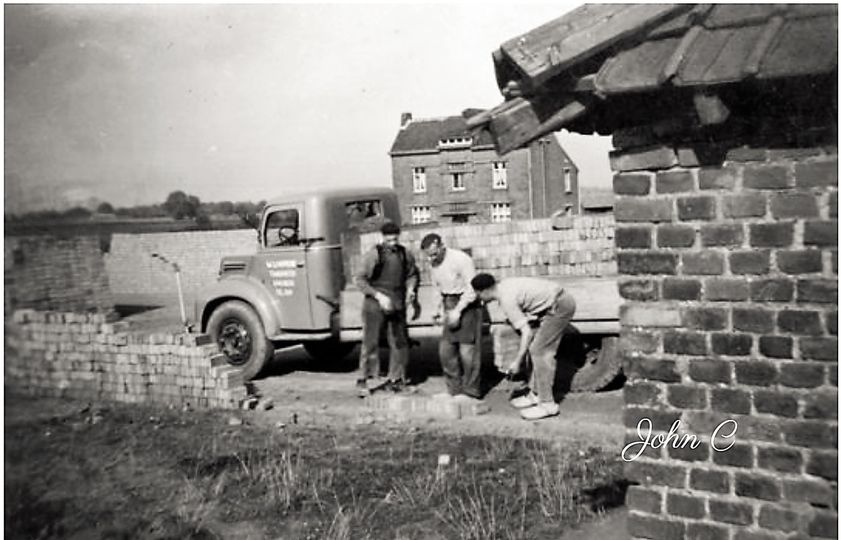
{"x": 542, "y": 410}
{"x": 524, "y": 401}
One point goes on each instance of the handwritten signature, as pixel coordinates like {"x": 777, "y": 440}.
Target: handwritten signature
{"x": 722, "y": 438}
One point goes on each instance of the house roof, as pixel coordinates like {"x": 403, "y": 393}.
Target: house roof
{"x": 422, "y": 135}
{"x": 567, "y": 72}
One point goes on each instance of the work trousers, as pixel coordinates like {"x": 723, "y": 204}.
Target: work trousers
{"x": 544, "y": 347}
{"x": 460, "y": 350}
{"x": 373, "y": 321}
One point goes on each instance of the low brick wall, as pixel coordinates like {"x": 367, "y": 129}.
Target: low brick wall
{"x": 44, "y": 272}
{"x": 582, "y": 246}
{"x": 84, "y": 357}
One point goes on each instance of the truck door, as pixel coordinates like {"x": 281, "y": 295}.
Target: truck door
{"x": 286, "y": 265}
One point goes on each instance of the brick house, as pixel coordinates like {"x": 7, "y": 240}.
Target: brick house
{"x": 443, "y": 173}
{"x": 724, "y": 122}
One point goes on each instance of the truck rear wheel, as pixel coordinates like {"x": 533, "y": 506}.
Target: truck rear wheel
{"x": 329, "y": 351}
{"x": 238, "y": 331}
{"x": 601, "y": 366}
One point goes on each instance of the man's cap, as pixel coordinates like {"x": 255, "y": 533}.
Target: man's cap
{"x": 481, "y": 282}
{"x": 390, "y": 228}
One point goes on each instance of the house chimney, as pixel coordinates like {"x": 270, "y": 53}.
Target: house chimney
{"x": 405, "y": 118}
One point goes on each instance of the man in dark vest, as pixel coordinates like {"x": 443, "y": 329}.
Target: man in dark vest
{"x": 388, "y": 277}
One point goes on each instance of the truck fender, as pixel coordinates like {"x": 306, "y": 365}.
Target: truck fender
{"x": 247, "y": 290}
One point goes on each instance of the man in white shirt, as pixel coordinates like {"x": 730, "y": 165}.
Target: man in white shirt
{"x": 540, "y": 311}
{"x": 451, "y": 271}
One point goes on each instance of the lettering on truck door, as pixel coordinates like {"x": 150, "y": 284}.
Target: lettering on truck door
{"x": 285, "y": 264}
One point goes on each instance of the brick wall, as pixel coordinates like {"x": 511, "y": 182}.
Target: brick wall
{"x": 728, "y": 267}
{"x": 44, "y": 272}
{"x": 84, "y": 357}
{"x": 132, "y": 269}
{"x": 583, "y": 246}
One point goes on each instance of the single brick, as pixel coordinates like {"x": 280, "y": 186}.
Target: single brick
{"x": 819, "y": 291}
{"x": 776, "y": 403}
{"x": 723, "y": 289}
{"x": 704, "y": 318}
{"x": 811, "y": 434}
{"x": 746, "y": 153}
{"x": 710, "y": 371}
{"x": 631, "y": 184}
{"x": 722, "y": 235}
{"x": 800, "y": 322}
{"x": 750, "y": 262}
{"x": 686, "y": 396}
{"x": 744, "y": 205}
{"x": 655, "y": 369}
{"x": 640, "y": 392}
{"x": 717, "y": 178}
{"x": 758, "y": 487}
{"x": 690, "y": 343}
{"x": 763, "y": 177}
{"x": 637, "y": 341}
{"x": 775, "y": 346}
{"x": 655, "y": 528}
{"x": 738, "y": 455}
{"x": 712, "y": 481}
{"x": 800, "y": 261}
{"x": 643, "y": 210}
{"x": 779, "y": 518}
{"x": 771, "y": 234}
{"x": 643, "y": 500}
{"x": 660, "y": 157}
{"x": 772, "y": 290}
{"x": 732, "y": 344}
{"x": 701, "y": 452}
{"x": 737, "y": 513}
{"x": 681, "y": 289}
{"x": 633, "y": 237}
{"x": 656, "y": 474}
{"x": 654, "y": 316}
{"x": 821, "y": 233}
{"x": 801, "y": 375}
{"x": 753, "y": 320}
{"x": 815, "y": 492}
{"x": 821, "y": 405}
{"x": 730, "y": 400}
{"x": 693, "y": 208}
{"x": 819, "y": 349}
{"x": 681, "y": 505}
{"x": 674, "y": 181}
{"x": 824, "y": 524}
{"x": 794, "y": 205}
{"x": 831, "y": 322}
{"x": 705, "y": 531}
{"x": 675, "y": 236}
{"x": 704, "y": 263}
{"x": 816, "y": 174}
{"x": 756, "y": 373}
{"x": 635, "y": 263}
{"x": 637, "y": 450}
{"x": 823, "y": 464}
{"x": 779, "y": 458}
{"x": 639, "y": 289}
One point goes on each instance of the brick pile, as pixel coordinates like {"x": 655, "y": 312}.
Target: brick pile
{"x": 581, "y": 246}
{"x": 44, "y": 272}
{"x": 729, "y": 270}
{"x": 84, "y": 356}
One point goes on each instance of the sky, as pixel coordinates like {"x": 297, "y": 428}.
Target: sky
{"x": 127, "y": 103}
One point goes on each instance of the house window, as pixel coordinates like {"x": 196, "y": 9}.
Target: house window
{"x": 419, "y": 180}
{"x": 455, "y": 142}
{"x": 500, "y": 212}
{"x": 421, "y": 214}
{"x": 458, "y": 182}
{"x": 567, "y": 180}
{"x": 500, "y": 175}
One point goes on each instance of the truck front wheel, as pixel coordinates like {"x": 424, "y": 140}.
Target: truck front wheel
{"x": 238, "y": 331}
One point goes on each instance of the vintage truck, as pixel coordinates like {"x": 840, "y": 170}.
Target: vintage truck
{"x": 297, "y": 289}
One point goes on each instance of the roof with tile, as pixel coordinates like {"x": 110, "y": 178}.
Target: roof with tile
{"x": 561, "y": 74}
{"x": 423, "y": 135}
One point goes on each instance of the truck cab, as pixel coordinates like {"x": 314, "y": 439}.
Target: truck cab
{"x": 289, "y": 291}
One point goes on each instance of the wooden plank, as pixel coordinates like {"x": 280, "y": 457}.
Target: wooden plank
{"x": 596, "y": 299}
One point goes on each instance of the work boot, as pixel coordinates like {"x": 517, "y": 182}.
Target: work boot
{"x": 395, "y": 386}
{"x": 362, "y": 388}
